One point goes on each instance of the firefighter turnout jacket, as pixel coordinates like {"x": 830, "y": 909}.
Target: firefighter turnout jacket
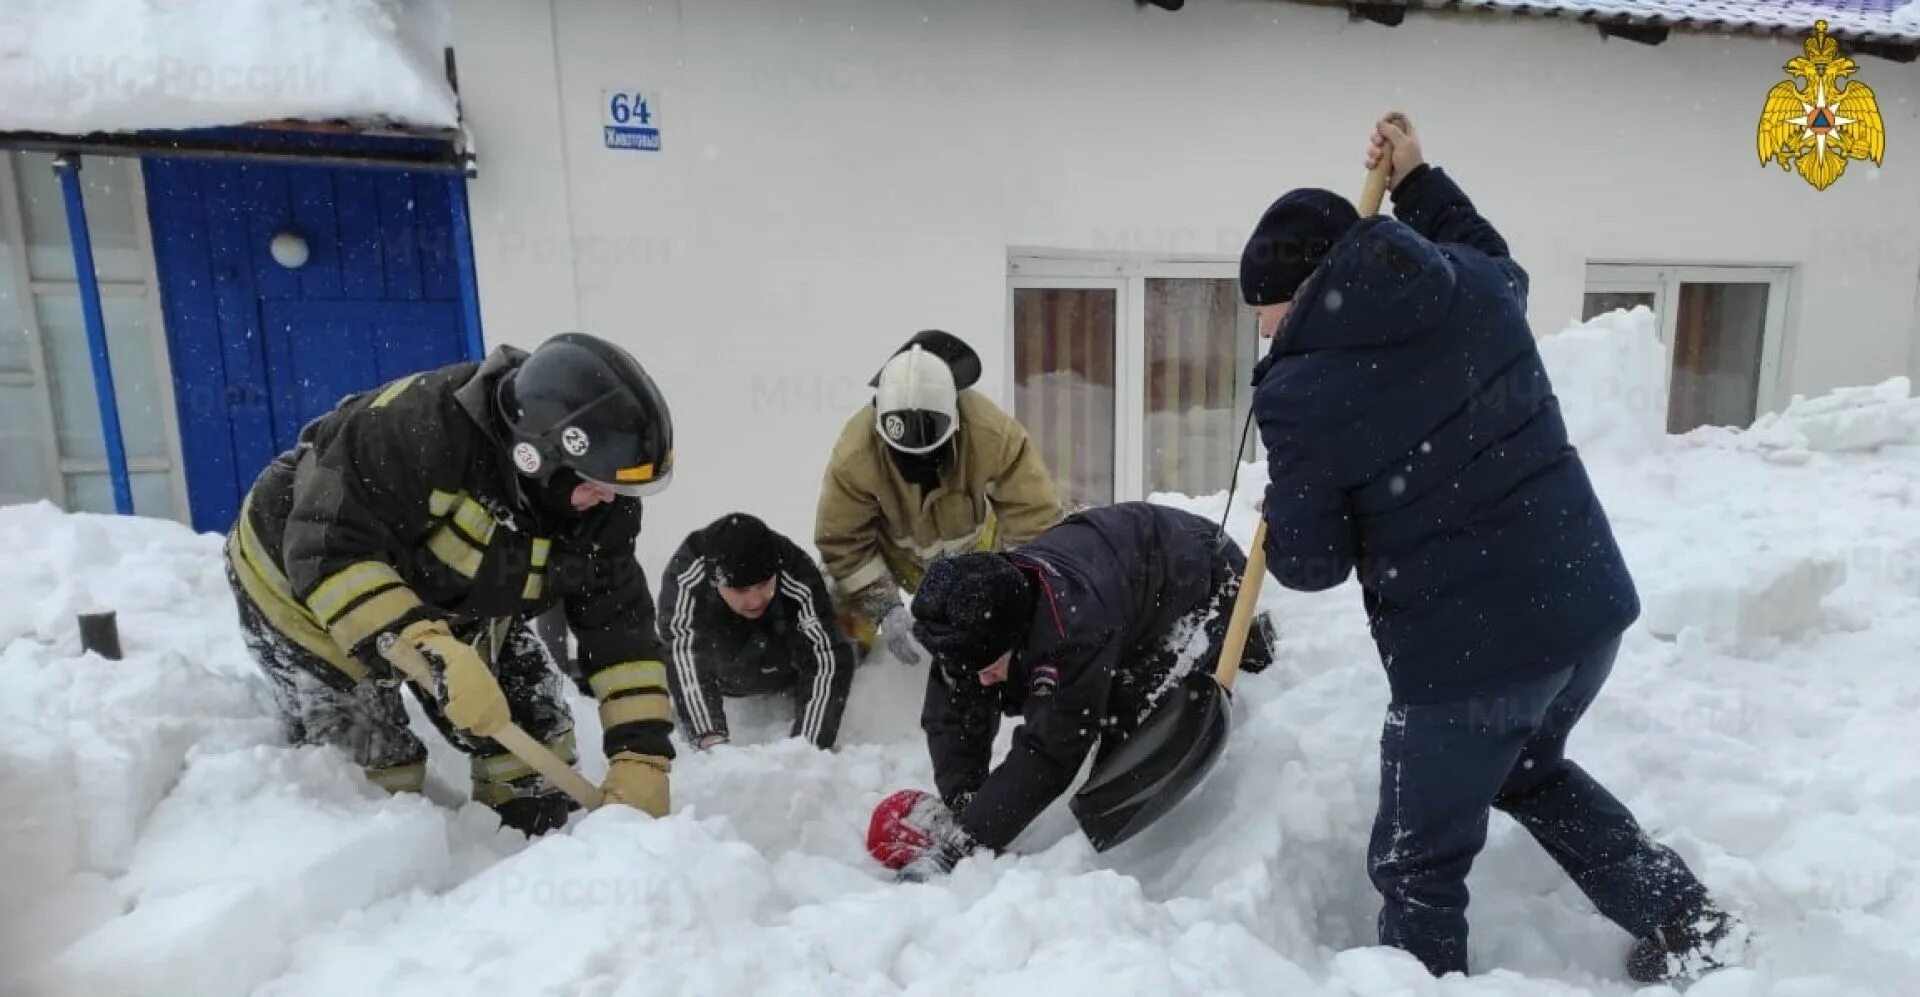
{"x": 402, "y": 504}
{"x": 876, "y": 530}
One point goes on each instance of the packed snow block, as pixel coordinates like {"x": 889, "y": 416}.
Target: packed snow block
{"x": 1740, "y": 603}
{"x": 1609, "y": 374}
{"x": 122, "y": 731}
{"x": 619, "y": 897}
{"x": 88, "y": 742}
{"x": 255, "y": 850}
{"x": 119, "y": 65}
{"x": 1846, "y": 420}
{"x": 39, "y": 835}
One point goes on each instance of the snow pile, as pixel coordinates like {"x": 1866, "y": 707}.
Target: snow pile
{"x": 1610, "y": 376}
{"x": 75, "y": 66}
{"x": 1908, "y": 17}
{"x": 168, "y": 843}
{"x": 1848, "y": 420}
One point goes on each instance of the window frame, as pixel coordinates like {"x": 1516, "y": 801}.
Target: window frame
{"x": 1128, "y": 276}
{"x": 28, "y": 287}
{"x": 1664, "y": 279}
{"x": 1124, "y": 434}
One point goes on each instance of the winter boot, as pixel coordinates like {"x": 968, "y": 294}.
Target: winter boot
{"x": 536, "y": 815}
{"x": 1700, "y": 940}
{"x": 1261, "y": 646}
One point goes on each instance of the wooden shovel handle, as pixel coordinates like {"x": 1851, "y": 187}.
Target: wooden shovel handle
{"x": 1376, "y": 189}
{"x": 413, "y": 665}
{"x": 1243, "y": 607}
{"x": 1248, "y": 600}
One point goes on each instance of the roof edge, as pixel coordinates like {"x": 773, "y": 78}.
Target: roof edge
{"x": 1894, "y": 45}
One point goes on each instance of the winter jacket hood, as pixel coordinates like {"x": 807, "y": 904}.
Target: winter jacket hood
{"x": 1413, "y": 436}
{"x": 1381, "y": 284}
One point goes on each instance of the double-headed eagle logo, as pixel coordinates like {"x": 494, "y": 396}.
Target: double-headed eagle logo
{"x": 1831, "y": 117}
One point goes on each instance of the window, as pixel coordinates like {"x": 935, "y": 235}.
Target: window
{"x": 1198, "y": 356}
{"x": 1722, "y": 328}
{"x": 51, "y": 442}
{"x": 1063, "y": 353}
{"x": 1131, "y": 378}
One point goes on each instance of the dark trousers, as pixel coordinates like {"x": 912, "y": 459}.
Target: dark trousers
{"x": 1442, "y": 767}
{"x": 319, "y": 704}
{"x": 552, "y": 630}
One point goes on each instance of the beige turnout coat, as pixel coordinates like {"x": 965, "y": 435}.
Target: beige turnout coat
{"x": 875, "y": 532}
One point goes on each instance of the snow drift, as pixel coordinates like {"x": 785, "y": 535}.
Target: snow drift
{"x": 1760, "y": 720}
{"x": 76, "y": 66}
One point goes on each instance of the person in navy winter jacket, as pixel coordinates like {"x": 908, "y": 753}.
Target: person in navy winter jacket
{"x": 1081, "y": 633}
{"x": 1414, "y": 441}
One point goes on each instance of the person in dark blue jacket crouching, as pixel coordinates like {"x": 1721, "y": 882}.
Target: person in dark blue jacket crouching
{"x": 1414, "y": 440}
{"x": 1081, "y": 633}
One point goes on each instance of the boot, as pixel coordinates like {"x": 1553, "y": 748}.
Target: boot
{"x": 534, "y": 816}
{"x": 1261, "y": 646}
{"x": 1702, "y": 939}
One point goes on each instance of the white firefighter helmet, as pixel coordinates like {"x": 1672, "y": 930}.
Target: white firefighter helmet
{"x": 916, "y": 407}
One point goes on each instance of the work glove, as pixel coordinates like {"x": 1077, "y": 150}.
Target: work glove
{"x": 897, "y": 628}
{"x": 915, "y": 834}
{"x": 464, "y": 687}
{"x": 951, "y": 843}
{"x": 639, "y": 781}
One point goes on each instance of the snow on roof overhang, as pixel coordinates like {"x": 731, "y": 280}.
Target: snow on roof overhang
{"x": 275, "y": 78}
{"x": 1889, "y": 29}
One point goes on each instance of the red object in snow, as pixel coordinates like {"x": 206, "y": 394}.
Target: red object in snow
{"x": 898, "y": 832}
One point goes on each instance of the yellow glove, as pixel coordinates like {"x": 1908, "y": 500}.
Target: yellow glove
{"x": 638, "y": 781}
{"x": 468, "y": 693}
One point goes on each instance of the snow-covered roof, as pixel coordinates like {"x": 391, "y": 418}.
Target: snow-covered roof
{"x": 1892, "y": 20}
{"x": 75, "y": 67}
{"x": 1868, "y": 20}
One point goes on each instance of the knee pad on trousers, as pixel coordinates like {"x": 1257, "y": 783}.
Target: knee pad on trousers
{"x": 525, "y": 800}
{"x": 407, "y": 778}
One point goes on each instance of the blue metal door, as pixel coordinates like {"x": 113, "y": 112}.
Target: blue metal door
{"x": 260, "y": 346}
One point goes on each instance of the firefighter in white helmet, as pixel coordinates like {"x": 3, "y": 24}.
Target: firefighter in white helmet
{"x": 931, "y": 467}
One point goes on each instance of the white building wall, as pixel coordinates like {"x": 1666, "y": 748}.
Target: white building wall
{"x": 836, "y": 175}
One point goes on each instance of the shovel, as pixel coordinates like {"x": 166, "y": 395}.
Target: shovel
{"x": 1138, "y": 780}
{"x": 539, "y": 757}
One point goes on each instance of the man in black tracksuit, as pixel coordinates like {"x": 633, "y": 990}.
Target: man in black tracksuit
{"x": 1080, "y": 632}
{"x": 743, "y": 612}
{"x": 445, "y": 509}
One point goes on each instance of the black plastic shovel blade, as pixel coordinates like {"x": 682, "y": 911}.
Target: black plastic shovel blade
{"x": 1148, "y": 774}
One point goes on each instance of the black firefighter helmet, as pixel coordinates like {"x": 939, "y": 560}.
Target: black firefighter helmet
{"x": 582, "y": 403}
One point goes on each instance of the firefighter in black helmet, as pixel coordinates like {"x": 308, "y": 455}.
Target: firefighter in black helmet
{"x": 581, "y": 406}
{"x": 447, "y": 508}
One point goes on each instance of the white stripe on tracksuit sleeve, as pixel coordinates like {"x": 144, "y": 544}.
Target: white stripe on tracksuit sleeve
{"x": 813, "y": 715}
{"x": 694, "y": 700}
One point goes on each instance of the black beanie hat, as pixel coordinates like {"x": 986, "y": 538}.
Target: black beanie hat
{"x": 741, "y": 549}
{"x": 1291, "y": 239}
{"x": 969, "y": 609}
